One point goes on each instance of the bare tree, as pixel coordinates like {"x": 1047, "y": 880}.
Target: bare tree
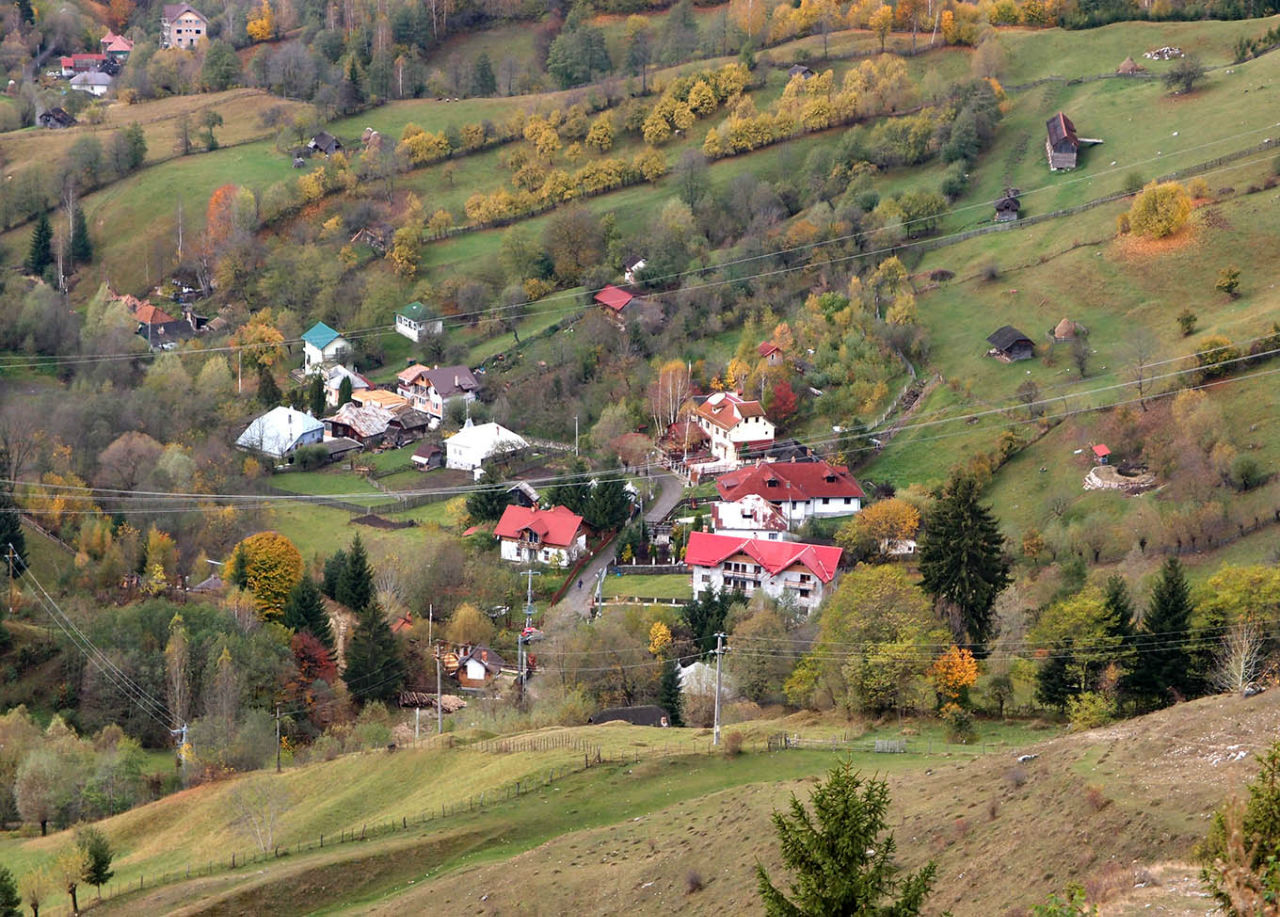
{"x": 258, "y": 804}
{"x": 20, "y": 436}
{"x": 1138, "y": 357}
{"x": 1238, "y": 660}
{"x": 667, "y": 395}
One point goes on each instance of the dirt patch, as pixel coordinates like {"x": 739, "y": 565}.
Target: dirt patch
{"x": 1136, "y": 247}
{"x": 1106, "y": 477}
{"x": 378, "y": 522}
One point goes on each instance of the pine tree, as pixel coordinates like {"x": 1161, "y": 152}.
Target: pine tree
{"x": 26, "y": 12}
{"x": 268, "y": 392}
{"x": 355, "y": 585}
{"x": 40, "y": 254}
{"x": 11, "y": 530}
{"x": 488, "y": 501}
{"x": 10, "y": 898}
{"x": 669, "y": 696}
{"x": 841, "y": 855}
{"x": 238, "y": 574}
{"x": 351, "y": 90}
{"x": 962, "y": 562}
{"x": 1120, "y": 616}
{"x": 375, "y": 670}
{"x": 483, "y": 82}
{"x": 344, "y": 391}
{"x": 98, "y": 855}
{"x": 315, "y": 396}
{"x": 333, "y": 567}
{"x": 609, "y": 505}
{"x": 1164, "y": 669}
{"x": 304, "y": 611}
{"x": 81, "y": 246}
{"x": 1053, "y": 679}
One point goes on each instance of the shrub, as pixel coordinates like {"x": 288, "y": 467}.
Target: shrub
{"x": 1133, "y": 183}
{"x": 1089, "y": 710}
{"x": 959, "y": 723}
{"x": 309, "y": 458}
{"x": 1016, "y": 776}
{"x": 1187, "y": 322}
{"x": 1160, "y": 210}
{"x": 733, "y": 744}
{"x": 692, "y": 882}
{"x": 1247, "y": 473}
{"x": 1093, "y": 795}
{"x": 990, "y": 270}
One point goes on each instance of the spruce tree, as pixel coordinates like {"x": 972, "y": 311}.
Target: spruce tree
{"x": 304, "y": 611}
{"x": 98, "y": 855}
{"x": 1053, "y": 681}
{"x": 238, "y": 574}
{"x": 488, "y": 501}
{"x": 10, "y": 898}
{"x": 1119, "y": 623}
{"x": 333, "y": 567}
{"x": 1164, "y": 669}
{"x": 483, "y": 82}
{"x": 315, "y": 396}
{"x": 609, "y": 505}
{"x": 375, "y": 670}
{"x": 40, "y": 253}
{"x": 344, "y": 391}
{"x": 962, "y": 562}
{"x": 355, "y": 585}
{"x": 11, "y": 531}
{"x": 81, "y": 246}
{"x": 669, "y": 696}
{"x": 268, "y": 391}
{"x": 841, "y": 854}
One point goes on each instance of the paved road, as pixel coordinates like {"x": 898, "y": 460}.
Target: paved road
{"x": 579, "y": 600}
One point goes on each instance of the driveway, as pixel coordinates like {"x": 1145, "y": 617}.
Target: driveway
{"x": 655, "y": 510}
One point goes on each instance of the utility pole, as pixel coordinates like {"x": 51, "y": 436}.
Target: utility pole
{"x": 278, "y": 730}
{"x": 12, "y": 555}
{"x": 523, "y": 640}
{"x": 575, "y": 434}
{"x": 431, "y": 618}
{"x": 721, "y": 649}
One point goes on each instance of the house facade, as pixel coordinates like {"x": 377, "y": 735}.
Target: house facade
{"x": 1061, "y": 144}
{"x": 477, "y": 667}
{"x": 116, "y": 46}
{"x": 751, "y": 517}
{"x": 415, "y": 321}
{"x": 279, "y": 432}
{"x": 529, "y": 535}
{"x": 432, "y": 390}
{"x": 81, "y": 63}
{"x": 98, "y": 84}
{"x": 333, "y": 377}
{"x": 803, "y": 573}
{"x": 475, "y": 444}
{"x": 182, "y": 26}
{"x": 735, "y": 428}
{"x": 799, "y": 490}
{"x": 321, "y": 345}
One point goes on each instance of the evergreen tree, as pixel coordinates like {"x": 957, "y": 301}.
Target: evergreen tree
{"x": 1120, "y": 617}
{"x": 304, "y": 611}
{"x": 1053, "y": 679}
{"x": 483, "y": 82}
{"x": 98, "y": 855}
{"x": 344, "y": 391}
{"x": 81, "y": 247}
{"x": 669, "y": 696}
{"x": 962, "y": 562}
{"x": 355, "y": 585}
{"x": 25, "y": 12}
{"x": 609, "y": 505}
{"x": 351, "y": 89}
{"x": 333, "y": 567}
{"x": 315, "y": 396}
{"x": 572, "y": 493}
{"x": 10, "y": 898}
{"x": 841, "y": 855}
{"x": 706, "y": 616}
{"x": 1164, "y": 669}
{"x": 487, "y": 502}
{"x": 40, "y": 253}
{"x": 375, "y": 670}
{"x": 268, "y": 392}
{"x": 11, "y": 528}
{"x": 137, "y": 141}
{"x": 238, "y": 574}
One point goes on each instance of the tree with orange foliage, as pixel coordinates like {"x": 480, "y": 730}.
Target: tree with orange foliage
{"x": 782, "y": 401}
{"x": 262, "y": 27}
{"x": 272, "y": 567}
{"x": 953, "y": 674}
{"x": 878, "y": 527}
{"x": 119, "y": 12}
{"x": 262, "y": 342}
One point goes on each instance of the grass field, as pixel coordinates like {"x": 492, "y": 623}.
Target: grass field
{"x": 656, "y": 586}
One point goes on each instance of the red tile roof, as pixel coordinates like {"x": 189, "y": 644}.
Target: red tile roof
{"x": 1101, "y": 450}
{"x": 728, "y": 410}
{"x": 410, "y": 375}
{"x": 768, "y": 349}
{"x": 707, "y": 550}
{"x": 779, "y": 481}
{"x": 613, "y": 297}
{"x": 150, "y": 315}
{"x": 557, "y": 526}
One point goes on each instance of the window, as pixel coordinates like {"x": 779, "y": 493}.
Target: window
{"x": 706, "y": 578}
{"x": 825, "y": 501}
{"x": 847, "y": 501}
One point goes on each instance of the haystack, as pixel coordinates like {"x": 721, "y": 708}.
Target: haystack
{"x": 1130, "y": 66}
{"x": 1065, "y": 330}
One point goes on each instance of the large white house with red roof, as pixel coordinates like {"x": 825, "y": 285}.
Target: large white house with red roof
{"x": 800, "y": 490}
{"x": 736, "y": 428}
{"x": 545, "y": 536}
{"x": 805, "y": 573}
{"x": 751, "y": 517}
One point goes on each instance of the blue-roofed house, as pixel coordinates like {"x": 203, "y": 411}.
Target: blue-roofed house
{"x": 279, "y": 432}
{"x": 321, "y": 345}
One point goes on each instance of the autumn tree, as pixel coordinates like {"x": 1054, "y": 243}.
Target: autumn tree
{"x": 119, "y": 12}
{"x": 262, "y": 24}
{"x": 260, "y": 342}
{"x": 881, "y": 22}
{"x": 1160, "y": 210}
{"x": 272, "y": 567}
{"x": 953, "y": 674}
{"x": 842, "y": 854}
{"x": 880, "y": 527}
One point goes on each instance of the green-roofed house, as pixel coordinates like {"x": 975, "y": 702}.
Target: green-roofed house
{"x": 415, "y": 321}
{"x": 321, "y": 345}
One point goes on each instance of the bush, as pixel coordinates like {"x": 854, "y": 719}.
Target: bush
{"x": 308, "y": 458}
{"x": 1089, "y": 711}
{"x": 1247, "y": 473}
{"x": 733, "y": 744}
{"x": 959, "y": 723}
{"x": 1160, "y": 210}
{"x": 1133, "y": 183}
{"x": 990, "y": 271}
{"x": 1187, "y": 322}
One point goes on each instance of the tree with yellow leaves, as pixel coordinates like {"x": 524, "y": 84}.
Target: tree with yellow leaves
{"x": 881, "y": 22}
{"x": 953, "y": 674}
{"x": 272, "y": 567}
{"x": 262, "y": 26}
{"x": 659, "y": 638}
{"x": 879, "y": 527}
{"x": 1160, "y": 210}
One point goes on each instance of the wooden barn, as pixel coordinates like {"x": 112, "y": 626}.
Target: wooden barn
{"x": 1010, "y": 345}
{"x": 1062, "y": 146}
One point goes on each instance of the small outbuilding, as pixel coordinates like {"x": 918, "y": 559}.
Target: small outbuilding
{"x": 324, "y": 142}
{"x": 1008, "y": 207}
{"x": 1061, "y": 145}
{"x": 1010, "y": 345}
{"x": 646, "y": 715}
{"x": 800, "y": 70}
{"x": 1101, "y": 454}
{"x": 428, "y": 456}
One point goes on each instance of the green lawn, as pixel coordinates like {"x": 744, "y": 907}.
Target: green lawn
{"x": 657, "y": 586}
{"x": 330, "y": 482}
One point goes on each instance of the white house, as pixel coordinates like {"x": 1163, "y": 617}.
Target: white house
{"x": 321, "y": 345}
{"x": 432, "y": 390}
{"x": 751, "y": 517}
{"x": 736, "y": 428}
{"x": 545, "y": 536}
{"x": 415, "y": 322}
{"x": 803, "y": 572}
{"x": 279, "y": 432}
{"x": 99, "y": 84}
{"x": 333, "y": 377}
{"x": 474, "y": 444}
{"x": 798, "y": 489}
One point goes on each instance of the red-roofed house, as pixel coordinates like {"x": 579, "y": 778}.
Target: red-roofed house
{"x": 1101, "y": 453}
{"x": 82, "y": 63}
{"x": 736, "y": 427}
{"x": 771, "y": 352}
{"x": 613, "y": 299}
{"x": 798, "y": 489}
{"x": 547, "y": 536}
{"x": 115, "y": 46}
{"x": 805, "y": 572}
{"x": 751, "y": 517}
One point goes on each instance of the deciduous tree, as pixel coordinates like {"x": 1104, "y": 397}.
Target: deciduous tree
{"x": 272, "y": 567}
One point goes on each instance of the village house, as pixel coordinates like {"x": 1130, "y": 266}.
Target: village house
{"x": 1010, "y": 345}
{"x": 477, "y": 667}
{"x": 321, "y": 347}
{"x": 333, "y": 377}
{"x": 771, "y": 353}
{"x": 324, "y": 142}
{"x": 56, "y": 118}
{"x": 751, "y": 517}
{"x": 428, "y": 456}
{"x": 116, "y": 47}
{"x": 475, "y": 444}
{"x": 280, "y": 432}
{"x": 800, "y": 70}
{"x": 158, "y": 328}
{"x": 737, "y": 429}
{"x": 1061, "y": 145}
{"x": 529, "y": 535}
{"x": 432, "y": 390}
{"x": 182, "y": 26}
{"x": 81, "y": 63}
{"x": 391, "y": 401}
{"x": 802, "y": 572}
{"x": 98, "y": 84}
{"x": 800, "y": 490}
{"x": 1008, "y": 208}
{"x": 620, "y": 307}
{"x": 632, "y": 265}
{"x": 415, "y": 321}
